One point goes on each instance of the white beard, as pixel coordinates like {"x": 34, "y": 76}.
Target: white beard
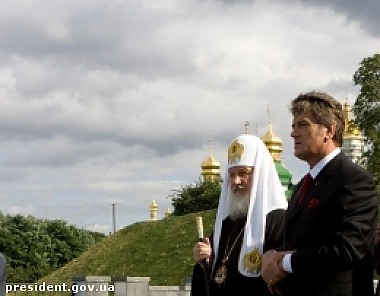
{"x": 238, "y": 205}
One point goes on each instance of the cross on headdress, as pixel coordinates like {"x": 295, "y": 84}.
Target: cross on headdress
{"x": 246, "y": 125}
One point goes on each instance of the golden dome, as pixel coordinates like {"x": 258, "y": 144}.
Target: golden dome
{"x": 273, "y": 143}
{"x": 167, "y": 212}
{"x": 210, "y": 162}
{"x": 351, "y": 130}
{"x": 210, "y": 167}
{"x": 153, "y": 206}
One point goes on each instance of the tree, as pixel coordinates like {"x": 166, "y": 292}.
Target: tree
{"x": 201, "y": 196}
{"x": 34, "y": 247}
{"x": 367, "y": 110}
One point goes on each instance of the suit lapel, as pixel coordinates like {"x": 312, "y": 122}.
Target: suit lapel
{"x": 317, "y": 184}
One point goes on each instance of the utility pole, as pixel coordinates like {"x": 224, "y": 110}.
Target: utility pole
{"x": 114, "y": 217}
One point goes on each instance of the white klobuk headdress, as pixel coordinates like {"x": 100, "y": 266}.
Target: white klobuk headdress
{"x": 267, "y": 194}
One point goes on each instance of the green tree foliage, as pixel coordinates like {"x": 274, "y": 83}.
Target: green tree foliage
{"x": 34, "y": 247}
{"x": 367, "y": 109}
{"x": 201, "y": 196}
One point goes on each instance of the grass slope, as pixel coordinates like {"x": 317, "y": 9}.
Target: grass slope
{"x": 161, "y": 250}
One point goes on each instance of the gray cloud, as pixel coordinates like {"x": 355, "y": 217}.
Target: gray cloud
{"x": 365, "y": 12}
{"x": 115, "y": 102}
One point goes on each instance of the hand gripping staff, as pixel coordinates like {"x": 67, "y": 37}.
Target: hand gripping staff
{"x": 203, "y": 263}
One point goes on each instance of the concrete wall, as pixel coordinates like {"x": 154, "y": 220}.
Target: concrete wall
{"x": 125, "y": 286}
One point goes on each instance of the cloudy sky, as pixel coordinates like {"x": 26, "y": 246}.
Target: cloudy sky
{"x": 113, "y": 102}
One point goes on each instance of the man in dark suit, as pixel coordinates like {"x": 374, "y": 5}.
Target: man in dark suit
{"x": 330, "y": 223}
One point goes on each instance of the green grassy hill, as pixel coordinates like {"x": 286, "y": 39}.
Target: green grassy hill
{"x": 161, "y": 250}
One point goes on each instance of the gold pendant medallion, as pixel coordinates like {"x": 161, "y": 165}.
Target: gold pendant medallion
{"x": 220, "y": 275}
{"x": 252, "y": 261}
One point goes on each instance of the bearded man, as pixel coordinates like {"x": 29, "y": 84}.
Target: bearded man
{"x": 249, "y": 221}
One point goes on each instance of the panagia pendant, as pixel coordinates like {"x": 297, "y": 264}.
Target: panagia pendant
{"x": 220, "y": 275}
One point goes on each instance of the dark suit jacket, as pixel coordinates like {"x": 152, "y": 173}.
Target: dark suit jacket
{"x": 333, "y": 231}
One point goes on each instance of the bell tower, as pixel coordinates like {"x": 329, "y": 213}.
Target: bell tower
{"x": 153, "y": 208}
{"x": 353, "y": 141}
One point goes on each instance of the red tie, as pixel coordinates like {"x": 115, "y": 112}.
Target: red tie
{"x": 304, "y": 187}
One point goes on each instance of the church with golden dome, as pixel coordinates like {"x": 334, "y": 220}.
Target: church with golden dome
{"x": 210, "y": 166}
{"x": 353, "y": 147}
{"x": 274, "y": 145}
{"x": 353, "y": 140}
